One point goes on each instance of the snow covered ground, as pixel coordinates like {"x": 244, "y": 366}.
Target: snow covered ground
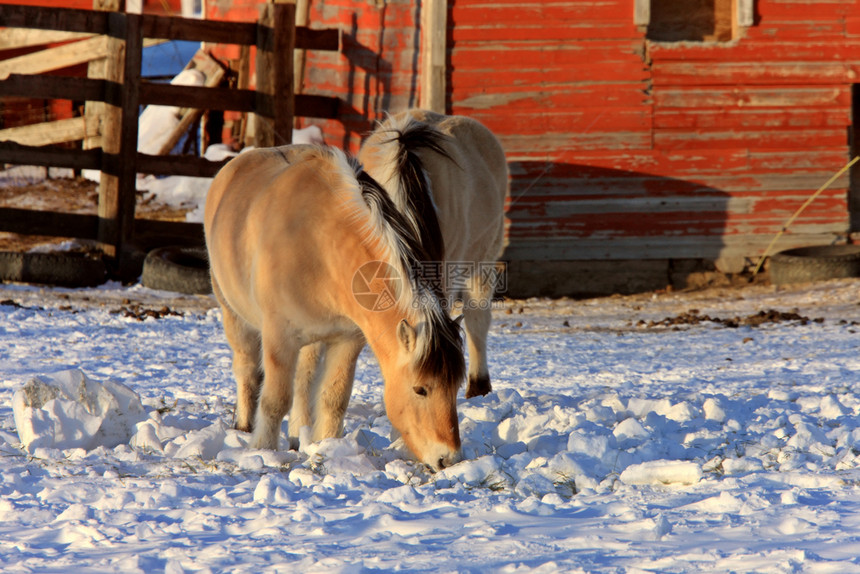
{"x": 615, "y": 441}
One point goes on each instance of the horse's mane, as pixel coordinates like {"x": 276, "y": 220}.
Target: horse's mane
{"x": 406, "y": 180}
{"x": 441, "y": 352}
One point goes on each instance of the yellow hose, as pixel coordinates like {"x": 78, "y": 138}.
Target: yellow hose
{"x": 799, "y": 210}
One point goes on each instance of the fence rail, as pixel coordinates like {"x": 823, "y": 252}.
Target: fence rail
{"x": 122, "y": 90}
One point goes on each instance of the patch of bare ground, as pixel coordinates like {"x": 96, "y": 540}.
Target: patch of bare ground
{"x": 67, "y": 195}
{"x": 694, "y": 317}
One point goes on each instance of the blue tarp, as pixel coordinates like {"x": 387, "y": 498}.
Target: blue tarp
{"x": 167, "y": 59}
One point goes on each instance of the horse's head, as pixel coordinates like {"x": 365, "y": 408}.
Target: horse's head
{"x": 421, "y": 393}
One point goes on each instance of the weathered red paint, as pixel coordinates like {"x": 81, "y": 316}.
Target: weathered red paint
{"x": 611, "y": 137}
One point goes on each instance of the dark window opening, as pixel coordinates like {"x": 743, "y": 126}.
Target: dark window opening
{"x": 691, "y": 20}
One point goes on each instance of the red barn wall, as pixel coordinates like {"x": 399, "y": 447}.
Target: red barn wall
{"x": 623, "y": 149}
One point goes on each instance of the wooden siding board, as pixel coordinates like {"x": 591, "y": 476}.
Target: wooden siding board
{"x": 733, "y": 73}
{"x": 545, "y": 97}
{"x": 782, "y": 117}
{"x": 547, "y": 31}
{"x": 737, "y": 137}
{"x": 501, "y": 80}
{"x": 833, "y": 48}
{"x": 528, "y": 55}
{"x": 752, "y": 96}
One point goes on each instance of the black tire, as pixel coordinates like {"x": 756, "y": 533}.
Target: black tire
{"x": 819, "y": 263}
{"x": 60, "y": 269}
{"x": 179, "y": 269}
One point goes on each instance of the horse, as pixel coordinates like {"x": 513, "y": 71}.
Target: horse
{"x": 466, "y": 200}
{"x": 309, "y": 260}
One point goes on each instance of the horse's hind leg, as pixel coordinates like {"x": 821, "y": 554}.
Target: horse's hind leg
{"x": 245, "y": 343}
{"x": 280, "y": 355}
{"x": 478, "y": 316}
{"x": 304, "y": 388}
{"x": 477, "y": 328}
{"x": 335, "y": 382}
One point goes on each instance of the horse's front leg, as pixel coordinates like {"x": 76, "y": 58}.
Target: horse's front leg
{"x": 338, "y": 374}
{"x": 304, "y": 390}
{"x": 280, "y": 355}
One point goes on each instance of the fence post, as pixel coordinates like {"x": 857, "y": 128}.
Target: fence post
{"x": 434, "y": 17}
{"x": 276, "y": 41}
{"x": 94, "y": 111}
{"x": 119, "y": 143}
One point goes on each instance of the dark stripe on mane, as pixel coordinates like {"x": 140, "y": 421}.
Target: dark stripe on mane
{"x": 417, "y": 193}
{"x": 443, "y": 359}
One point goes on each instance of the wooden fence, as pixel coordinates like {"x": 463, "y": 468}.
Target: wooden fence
{"x": 122, "y": 90}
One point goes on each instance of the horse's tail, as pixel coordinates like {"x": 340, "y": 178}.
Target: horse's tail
{"x": 408, "y": 182}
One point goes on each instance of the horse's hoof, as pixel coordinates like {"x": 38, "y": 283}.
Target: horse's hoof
{"x": 478, "y": 386}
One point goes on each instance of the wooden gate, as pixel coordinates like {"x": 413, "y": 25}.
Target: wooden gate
{"x": 122, "y": 90}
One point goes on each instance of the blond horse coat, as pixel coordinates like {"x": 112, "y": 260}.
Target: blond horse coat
{"x": 287, "y": 229}
{"x": 469, "y": 186}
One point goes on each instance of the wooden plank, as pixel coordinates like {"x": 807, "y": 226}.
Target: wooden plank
{"x": 50, "y": 223}
{"x": 721, "y": 118}
{"x": 64, "y": 19}
{"x": 499, "y": 77}
{"x": 831, "y": 50}
{"x": 56, "y": 58}
{"x": 59, "y": 87}
{"x": 306, "y": 105}
{"x": 733, "y": 73}
{"x": 153, "y": 26}
{"x": 527, "y": 99}
{"x": 314, "y": 106}
{"x": 327, "y": 39}
{"x": 14, "y": 38}
{"x": 303, "y": 15}
{"x": 127, "y": 178}
{"x": 434, "y": 17}
{"x": 215, "y": 31}
{"x": 205, "y": 98}
{"x": 274, "y": 66}
{"x": 119, "y": 171}
{"x": 751, "y": 138}
{"x": 752, "y": 96}
{"x": 551, "y": 31}
{"x": 48, "y": 133}
{"x": 190, "y": 166}
{"x": 532, "y": 54}
{"x": 810, "y": 9}
{"x": 152, "y": 233}
{"x": 475, "y": 13}
{"x": 637, "y": 248}
{"x": 11, "y": 152}
{"x": 224, "y": 32}
{"x": 552, "y": 143}
{"x": 94, "y": 108}
{"x": 574, "y": 122}
{"x": 641, "y": 12}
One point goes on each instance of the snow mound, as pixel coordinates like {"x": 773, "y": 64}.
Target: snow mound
{"x": 69, "y": 410}
{"x": 662, "y": 472}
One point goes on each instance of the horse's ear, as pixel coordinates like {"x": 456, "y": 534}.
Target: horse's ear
{"x": 407, "y": 335}
{"x": 459, "y": 320}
